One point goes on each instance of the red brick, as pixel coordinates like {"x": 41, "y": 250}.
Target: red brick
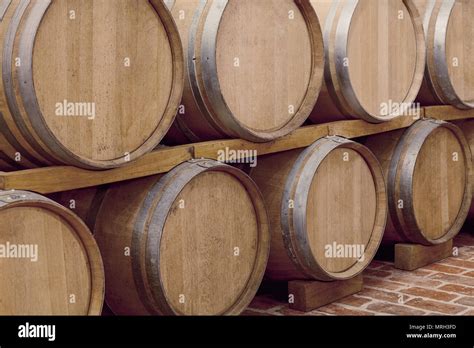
{"x": 416, "y": 281}
{"x": 443, "y": 288}
{"x": 460, "y": 263}
{"x": 437, "y": 314}
{"x": 449, "y": 278}
{"x": 264, "y": 302}
{"x": 382, "y": 284}
{"x": 376, "y": 264}
{"x": 433, "y": 306}
{"x": 380, "y": 295}
{"x": 445, "y": 269}
{"x": 336, "y": 309}
{"x": 251, "y": 313}
{"x": 377, "y": 273}
{"x": 433, "y": 294}
{"x": 464, "y": 253}
{"x": 466, "y": 301}
{"x": 288, "y": 311}
{"x": 459, "y": 289}
{"x": 388, "y": 308}
{"x": 354, "y": 301}
{"x": 319, "y": 314}
{"x": 417, "y": 272}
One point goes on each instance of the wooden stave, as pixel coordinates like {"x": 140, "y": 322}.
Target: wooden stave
{"x": 402, "y": 226}
{"x": 203, "y": 96}
{"x": 339, "y": 100}
{"x": 467, "y": 127}
{"x": 437, "y": 88}
{"x": 37, "y": 143}
{"x": 13, "y": 199}
{"x": 13, "y": 130}
{"x": 87, "y": 202}
{"x": 155, "y": 211}
{"x": 295, "y": 188}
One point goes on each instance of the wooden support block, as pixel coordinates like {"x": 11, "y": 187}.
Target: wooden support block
{"x": 309, "y": 295}
{"x": 409, "y": 257}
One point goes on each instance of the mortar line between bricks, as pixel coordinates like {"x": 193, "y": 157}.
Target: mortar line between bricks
{"x": 457, "y": 298}
{"x": 462, "y": 269}
{"x": 379, "y": 279}
{"x": 439, "y": 302}
{"x": 374, "y": 301}
{"x": 425, "y": 312}
{"x": 464, "y": 312}
{"x": 394, "y": 292}
{"x": 344, "y": 306}
{"x": 456, "y": 284}
{"x": 459, "y": 276}
{"x": 404, "y": 286}
{"x": 274, "y": 310}
{"x": 438, "y": 290}
{"x": 364, "y": 306}
{"x": 408, "y": 297}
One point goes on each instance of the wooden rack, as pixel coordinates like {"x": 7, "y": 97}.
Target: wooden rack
{"x": 63, "y": 178}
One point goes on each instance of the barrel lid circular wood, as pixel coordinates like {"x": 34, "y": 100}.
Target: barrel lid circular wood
{"x": 460, "y": 49}
{"x": 264, "y": 61}
{"x": 103, "y": 84}
{"x": 47, "y": 266}
{"x": 439, "y": 183}
{"x": 209, "y": 245}
{"x": 382, "y": 54}
{"x": 341, "y": 210}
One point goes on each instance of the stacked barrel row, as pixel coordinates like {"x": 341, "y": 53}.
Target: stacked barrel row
{"x": 251, "y": 70}
{"x": 199, "y": 239}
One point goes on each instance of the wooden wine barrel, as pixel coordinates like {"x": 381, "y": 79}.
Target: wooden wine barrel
{"x": 427, "y": 170}
{"x": 49, "y": 262}
{"x": 449, "y": 32}
{"x": 467, "y": 127}
{"x": 85, "y": 203}
{"x": 192, "y": 242}
{"x": 255, "y": 68}
{"x": 100, "y": 94}
{"x": 375, "y": 58}
{"x": 327, "y": 197}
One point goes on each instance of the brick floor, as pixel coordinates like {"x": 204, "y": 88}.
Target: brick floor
{"x": 443, "y": 288}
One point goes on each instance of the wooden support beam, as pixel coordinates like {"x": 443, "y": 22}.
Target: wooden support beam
{"x": 447, "y": 113}
{"x": 57, "y": 179}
